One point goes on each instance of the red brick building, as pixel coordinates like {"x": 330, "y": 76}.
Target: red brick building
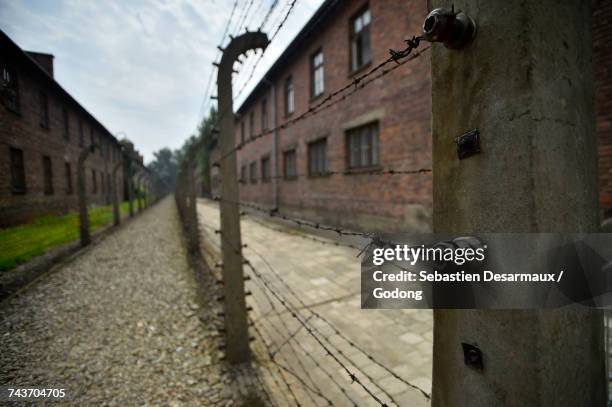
{"x": 382, "y": 126}
{"x": 42, "y": 131}
{"x": 385, "y": 125}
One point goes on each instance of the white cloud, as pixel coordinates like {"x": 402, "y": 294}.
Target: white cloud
{"x": 140, "y": 66}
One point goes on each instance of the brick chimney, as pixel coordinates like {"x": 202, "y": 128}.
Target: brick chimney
{"x": 44, "y": 60}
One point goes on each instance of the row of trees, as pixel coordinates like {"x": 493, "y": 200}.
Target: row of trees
{"x": 166, "y": 161}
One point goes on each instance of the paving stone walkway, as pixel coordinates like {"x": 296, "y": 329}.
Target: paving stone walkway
{"x": 327, "y": 279}
{"x": 118, "y": 325}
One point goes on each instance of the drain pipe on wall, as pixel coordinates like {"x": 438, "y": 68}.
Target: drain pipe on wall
{"x": 274, "y": 144}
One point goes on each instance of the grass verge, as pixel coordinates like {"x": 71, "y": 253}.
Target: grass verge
{"x": 20, "y": 243}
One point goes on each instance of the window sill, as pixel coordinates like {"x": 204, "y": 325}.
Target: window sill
{"x": 359, "y": 70}
{"x": 19, "y": 191}
{"x": 290, "y": 178}
{"x": 321, "y": 175}
{"x": 362, "y": 170}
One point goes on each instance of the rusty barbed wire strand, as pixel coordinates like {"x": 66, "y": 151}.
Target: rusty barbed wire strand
{"x": 292, "y": 336}
{"x": 311, "y": 331}
{"x": 209, "y": 83}
{"x": 359, "y": 82}
{"x": 312, "y": 238}
{"x": 295, "y": 314}
{"x": 258, "y": 61}
{"x": 327, "y": 322}
{"x": 299, "y": 222}
{"x": 339, "y": 333}
{"x": 268, "y": 14}
{"x": 316, "y": 391}
{"x": 241, "y": 24}
{"x": 299, "y": 361}
{"x": 373, "y": 171}
{"x": 336, "y": 331}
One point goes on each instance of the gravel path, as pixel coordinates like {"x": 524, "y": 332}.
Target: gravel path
{"x": 118, "y": 325}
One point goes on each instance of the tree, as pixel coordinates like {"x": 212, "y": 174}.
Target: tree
{"x": 164, "y": 167}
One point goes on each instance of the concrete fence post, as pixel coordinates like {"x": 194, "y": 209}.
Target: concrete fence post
{"x": 114, "y": 195}
{"x": 237, "y": 336}
{"x": 526, "y": 83}
{"x": 139, "y": 191}
{"x": 82, "y": 196}
{"x": 130, "y": 187}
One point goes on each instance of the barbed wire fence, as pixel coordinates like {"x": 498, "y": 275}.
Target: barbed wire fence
{"x": 295, "y": 345}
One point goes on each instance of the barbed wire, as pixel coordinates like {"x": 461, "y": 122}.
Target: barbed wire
{"x": 246, "y": 14}
{"x": 312, "y": 238}
{"x": 335, "y": 330}
{"x": 258, "y": 61}
{"x": 359, "y": 82}
{"x": 292, "y": 336}
{"x": 372, "y": 171}
{"x": 208, "y": 89}
{"x": 311, "y": 331}
{"x": 268, "y": 14}
{"x": 316, "y": 391}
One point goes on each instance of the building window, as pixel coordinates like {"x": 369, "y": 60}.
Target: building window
{"x": 264, "y": 115}
{"x": 253, "y": 172}
{"x": 81, "y": 134}
{"x": 10, "y": 90}
{"x": 317, "y": 79}
{"x": 18, "y": 182}
{"x": 242, "y": 135}
{"x": 102, "y": 182}
{"x": 92, "y": 137}
{"x": 361, "y": 53}
{"x": 362, "y": 146}
{"x": 101, "y": 145}
{"x": 265, "y": 169}
{"x": 94, "y": 182}
{"x": 47, "y": 175}
{"x": 252, "y": 125}
{"x": 68, "y": 171}
{"x": 243, "y": 173}
{"x": 317, "y": 158}
{"x": 43, "y": 106}
{"x": 289, "y": 96}
{"x": 66, "y": 123}
{"x": 290, "y": 164}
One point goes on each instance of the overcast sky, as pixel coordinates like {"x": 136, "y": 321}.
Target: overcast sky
{"x": 141, "y": 66}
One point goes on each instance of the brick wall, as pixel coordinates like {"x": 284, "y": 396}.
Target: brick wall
{"x": 22, "y": 130}
{"x": 602, "y": 61}
{"x": 399, "y": 102}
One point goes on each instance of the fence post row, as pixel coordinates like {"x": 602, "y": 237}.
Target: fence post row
{"x": 237, "y": 338}
{"x": 84, "y": 233}
{"x": 525, "y": 83}
{"x": 114, "y": 196}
